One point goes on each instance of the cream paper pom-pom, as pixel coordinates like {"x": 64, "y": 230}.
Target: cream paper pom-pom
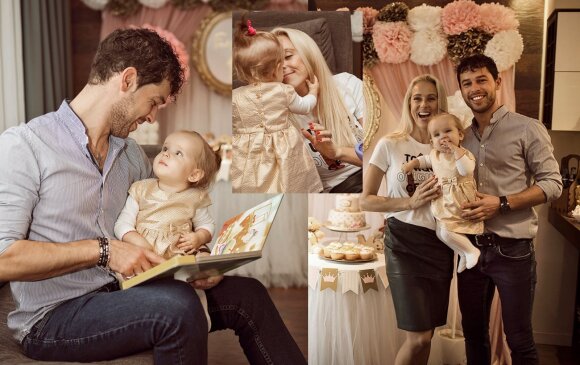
{"x": 456, "y": 106}
{"x": 155, "y": 4}
{"x": 428, "y": 47}
{"x": 424, "y": 17}
{"x": 505, "y": 48}
{"x": 96, "y": 4}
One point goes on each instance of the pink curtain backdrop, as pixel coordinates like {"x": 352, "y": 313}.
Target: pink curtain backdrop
{"x": 391, "y": 81}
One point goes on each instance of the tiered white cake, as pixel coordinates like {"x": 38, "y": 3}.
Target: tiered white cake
{"x": 346, "y": 214}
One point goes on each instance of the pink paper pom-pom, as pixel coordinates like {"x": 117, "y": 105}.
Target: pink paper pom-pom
{"x": 392, "y": 41}
{"x": 460, "y": 16}
{"x": 496, "y": 18}
{"x": 369, "y": 17}
{"x": 177, "y": 45}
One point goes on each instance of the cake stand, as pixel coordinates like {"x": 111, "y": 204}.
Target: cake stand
{"x": 343, "y": 232}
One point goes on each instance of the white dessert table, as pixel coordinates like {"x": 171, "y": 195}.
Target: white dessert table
{"x": 349, "y": 326}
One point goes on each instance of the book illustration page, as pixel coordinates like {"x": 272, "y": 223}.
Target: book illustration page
{"x": 247, "y": 231}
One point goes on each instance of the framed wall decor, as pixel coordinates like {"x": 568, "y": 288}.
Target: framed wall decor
{"x": 211, "y": 52}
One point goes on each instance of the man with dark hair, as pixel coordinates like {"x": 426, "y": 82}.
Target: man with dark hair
{"x": 64, "y": 178}
{"x": 515, "y": 171}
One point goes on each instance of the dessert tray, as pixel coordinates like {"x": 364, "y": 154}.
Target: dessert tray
{"x": 345, "y": 261}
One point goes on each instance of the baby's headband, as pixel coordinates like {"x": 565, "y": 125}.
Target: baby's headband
{"x": 251, "y": 30}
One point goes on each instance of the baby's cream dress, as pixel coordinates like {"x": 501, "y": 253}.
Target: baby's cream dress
{"x": 163, "y": 216}
{"x": 456, "y": 189}
{"x": 269, "y": 153}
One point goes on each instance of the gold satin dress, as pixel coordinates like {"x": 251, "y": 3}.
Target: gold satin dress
{"x": 455, "y": 189}
{"x": 163, "y": 216}
{"x": 269, "y": 153}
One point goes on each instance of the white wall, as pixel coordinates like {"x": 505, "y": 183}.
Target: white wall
{"x": 553, "y": 316}
{"x": 557, "y": 258}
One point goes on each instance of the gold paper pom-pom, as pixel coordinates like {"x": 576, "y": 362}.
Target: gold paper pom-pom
{"x": 394, "y": 12}
{"x": 123, "y": 8}
{"x": 466, "y": 44}
{"x": 370, "y": 56}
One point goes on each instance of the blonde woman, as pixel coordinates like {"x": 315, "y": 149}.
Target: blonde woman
{"x": 419, "y": 266}
{"x": 334, "y": 128}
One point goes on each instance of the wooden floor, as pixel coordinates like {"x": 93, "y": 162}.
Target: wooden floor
{"x": 559, "y": 355}
{"x": 224, "y": 348}
{"x": 292, "y": 304}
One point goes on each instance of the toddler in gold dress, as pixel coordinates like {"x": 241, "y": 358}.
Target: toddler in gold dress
{"x": 453, "y": 165}
{"x": 169, "y": 214}
{"x": 269, "y": 153}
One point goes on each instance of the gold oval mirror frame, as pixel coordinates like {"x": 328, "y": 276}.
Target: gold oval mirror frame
{"x": 373, "y": 109}
{"x": 211, "y": 52}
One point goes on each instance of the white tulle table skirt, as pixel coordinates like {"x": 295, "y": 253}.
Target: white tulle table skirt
{"x": 350, "y": 328}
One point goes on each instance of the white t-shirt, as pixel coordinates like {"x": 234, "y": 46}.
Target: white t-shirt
{"x": 389, "y": 156}
{"x": 351, "y": 88}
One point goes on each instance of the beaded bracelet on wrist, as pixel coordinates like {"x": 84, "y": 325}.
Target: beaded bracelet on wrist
{"x": 104, "y": 252}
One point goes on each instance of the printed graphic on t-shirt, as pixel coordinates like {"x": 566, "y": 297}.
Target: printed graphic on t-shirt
{"x": 417, "y": 177}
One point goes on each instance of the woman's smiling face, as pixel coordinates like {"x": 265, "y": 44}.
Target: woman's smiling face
{"x": 424, "y": 103}
{"x": 295, "y": 73}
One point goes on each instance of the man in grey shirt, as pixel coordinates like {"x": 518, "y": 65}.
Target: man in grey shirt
{"x": 64, "y": 178}
{"x": 515, "y": 171}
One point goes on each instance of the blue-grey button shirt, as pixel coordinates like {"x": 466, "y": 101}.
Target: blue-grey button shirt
{"x": 514, "y": 153}
{"x": 52, "y": 191}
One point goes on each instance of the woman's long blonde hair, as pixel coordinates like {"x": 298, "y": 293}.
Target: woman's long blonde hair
{"x": 330, "y": 109}
{"x": 406, "y": 124}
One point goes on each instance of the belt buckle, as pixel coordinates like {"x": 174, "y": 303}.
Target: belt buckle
{"x": 484, "y": 240}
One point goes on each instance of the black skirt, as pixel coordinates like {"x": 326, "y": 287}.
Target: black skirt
{"x": 419, "y": 268}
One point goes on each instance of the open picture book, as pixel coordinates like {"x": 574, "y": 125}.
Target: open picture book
{"x": 240, "y": 241}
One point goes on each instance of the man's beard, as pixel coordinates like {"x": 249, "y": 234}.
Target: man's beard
{"x": 121, "y": 122}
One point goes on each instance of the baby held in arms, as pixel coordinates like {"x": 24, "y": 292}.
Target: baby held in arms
{"x": 453, "y": 165}
{"x": 169, "y": 214}
{"x": 269, "y": 153}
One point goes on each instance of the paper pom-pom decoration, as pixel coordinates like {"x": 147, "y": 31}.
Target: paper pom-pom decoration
{"x": 177, "y": 45}
{"x": 123, "y": 8}
{"x": 496, "y": 18}
{"x": 505, "y": 48}
{"x": 424, "y": 17}
{"x": 466, "y": 44}
{"x": 394, "y": 12}
{"x": 155, "y": 4}
{"x": 370, "y": 57}
{"x": 456, "y": 106}
{"x": 392, "y": 41}
{"x": 428, "y": 48}
{"x": 459, "y": 16}
{"x": 96, "y": 4}
{"x": 369, "y": 17}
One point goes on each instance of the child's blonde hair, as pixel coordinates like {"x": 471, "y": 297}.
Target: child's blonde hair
{"x": 257, "y": 56}
{"x": 209, "y": 162}
{"x": 456, "y": 120}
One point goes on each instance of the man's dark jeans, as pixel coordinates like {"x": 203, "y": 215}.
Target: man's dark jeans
{"x": 509, "y": 265}
{"x": 165, "y": 316}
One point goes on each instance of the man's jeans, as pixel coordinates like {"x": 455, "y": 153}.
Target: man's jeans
{"x": 509, "y": 265}
{"x": 166, "y": 316}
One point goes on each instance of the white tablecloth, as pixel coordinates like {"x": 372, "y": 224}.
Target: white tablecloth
{"x": 350, "y": 328}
